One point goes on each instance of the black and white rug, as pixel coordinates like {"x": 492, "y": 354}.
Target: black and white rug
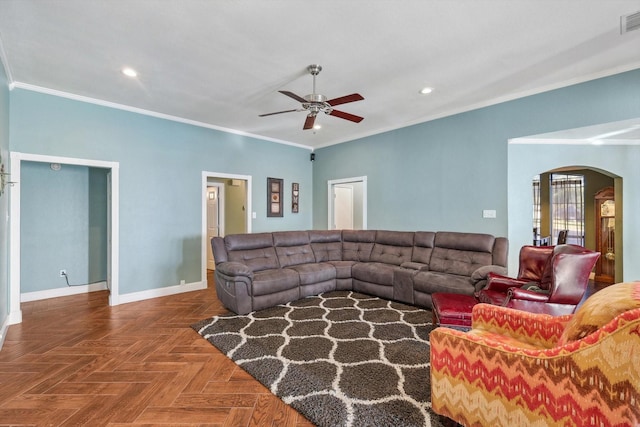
{"x": 340, "y": 358}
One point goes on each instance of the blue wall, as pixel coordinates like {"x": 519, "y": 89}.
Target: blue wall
{"x": 161, "y": 165}
{"x": 64, "y": 226}
{"x": 440, "y": 175}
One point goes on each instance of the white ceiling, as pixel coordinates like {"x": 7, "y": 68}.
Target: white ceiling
{"x": 220, "y": 63}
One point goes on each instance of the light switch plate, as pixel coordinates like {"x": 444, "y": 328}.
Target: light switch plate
{"x": 489, "y": 213}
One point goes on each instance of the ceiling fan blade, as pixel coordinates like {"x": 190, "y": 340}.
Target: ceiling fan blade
{"x": 308, "y": 124}
{"x": 344, "y": 99}
{"x": 277, "y": 112}
{"x": 346, "y": 116}
{"x": 292, "y": 95}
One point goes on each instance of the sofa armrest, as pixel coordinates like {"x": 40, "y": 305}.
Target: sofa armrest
{"x": 234, "y": 269}
{"x": 411, "y": 265}
{"x": 498, "y": 282}
{"x": 524, "y": 294}
{"x": 480, "y": 276}
{"x": 483, "y": 272}
{"x": 533, "y": 328}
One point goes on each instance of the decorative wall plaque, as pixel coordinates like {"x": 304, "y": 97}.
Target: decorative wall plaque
{"x": 295, "y": 194}
{"x": 274, "y": 197}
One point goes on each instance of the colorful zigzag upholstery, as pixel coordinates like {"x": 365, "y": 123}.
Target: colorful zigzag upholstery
{"x": 515, "y": 368}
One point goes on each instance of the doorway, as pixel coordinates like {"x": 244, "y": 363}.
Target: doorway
{"x": 347, "y": 203}
{"x": 226, "y": 209}
{"x": 567, "y": 199}
{"x": 113, "y": 207}
{"x": 215, "y": 217}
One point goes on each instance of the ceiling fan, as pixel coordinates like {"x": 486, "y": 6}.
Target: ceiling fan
{"x": 315, "y": 103}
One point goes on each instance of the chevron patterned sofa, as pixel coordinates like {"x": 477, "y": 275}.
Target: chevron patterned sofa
{"x": 256, "y": 271}
{"x": 515, "y": 368}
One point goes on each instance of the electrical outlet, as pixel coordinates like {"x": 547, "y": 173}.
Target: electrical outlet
{"x": 489, "y": 213}
{"x": 182, "y": 282}
{"x": 63, "y": 273}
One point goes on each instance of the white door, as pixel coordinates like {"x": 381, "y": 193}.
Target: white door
{"x": 214, "y": 227}
{"x": 347, "y": 202}
{"x": 343, "y": 207}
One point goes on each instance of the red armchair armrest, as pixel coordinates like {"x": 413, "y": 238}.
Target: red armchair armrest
{"x": 497, "y": 282}
{"x": 517, "y": 293}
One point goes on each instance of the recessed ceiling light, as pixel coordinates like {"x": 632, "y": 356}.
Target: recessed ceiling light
{"x": 129, "y": 72}
{"x": 317, "y": 126}
{"x": 426, "y": 90}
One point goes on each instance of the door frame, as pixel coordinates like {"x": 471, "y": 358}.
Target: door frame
{"x": 332, "y": 182}
{"x": 220, "y": 193}
{"x": 113, "y": 225}
{"x": 205, "y": 183}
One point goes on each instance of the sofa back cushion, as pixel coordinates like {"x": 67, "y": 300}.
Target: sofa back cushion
{"x": 461, "y": 253}
{"x": 392, "y": 247}
{"x": 326, "y": 245}
{"x": 293, "y": 248}
{"x": 256, "y": 251}
{"x": 423, "y": 242}
{"x": 357, "y": 244}
{"x": 219, "y": 250}
{"x": 500, "y": 251}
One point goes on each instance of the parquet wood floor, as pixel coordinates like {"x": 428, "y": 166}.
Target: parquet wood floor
{"x": 76, "y": 361}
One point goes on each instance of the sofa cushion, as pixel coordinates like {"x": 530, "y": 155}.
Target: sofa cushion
{"x": 256, "y": 251}
{"x": 357, "y": 244}
{"x": 475, "y": 242}
{"x": 374, "y": 272}
{"x": 392, "y": 247}
{"x": 457, "y": 262}
{"x": 461, "y": 253}
{"x": 343, "y": 268}
{"x": 271, "y": 281}
{"x": 314, "y": 273}
{"x": 293, "y": 248}
{"x": 430, "y": 282}
{"x": 423, "y": 242}
{"x": 326, "y": 245}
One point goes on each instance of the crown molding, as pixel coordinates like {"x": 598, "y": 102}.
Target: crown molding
{"x": 128, "y": 108}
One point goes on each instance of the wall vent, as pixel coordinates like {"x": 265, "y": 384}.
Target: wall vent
{"x": 629, "y": 22}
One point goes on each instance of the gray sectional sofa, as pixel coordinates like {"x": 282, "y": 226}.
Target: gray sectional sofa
{"x": 256, "y": 271}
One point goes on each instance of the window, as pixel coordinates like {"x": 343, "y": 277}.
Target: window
{"x": 565, "y": 210}
{"x": 567, "y": 207}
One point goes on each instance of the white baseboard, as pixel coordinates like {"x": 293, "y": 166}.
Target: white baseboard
{"x": 161, "y": 292}
{"x": 3, "y": 331}
{"x": 63, "y": 292}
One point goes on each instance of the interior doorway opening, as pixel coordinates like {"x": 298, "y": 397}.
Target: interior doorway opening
{"x": 567, "y": 199}
{"x": 226, "y": 209}
{"x": 112, "y": 224}
{"x": 347, "y": 204}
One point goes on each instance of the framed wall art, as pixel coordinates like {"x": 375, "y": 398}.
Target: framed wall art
{"x": 295, "y": 194}
{"x": 274, "y": 197}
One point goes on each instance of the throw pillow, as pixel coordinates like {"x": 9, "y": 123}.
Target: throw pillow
{"x": 600, "y": 308}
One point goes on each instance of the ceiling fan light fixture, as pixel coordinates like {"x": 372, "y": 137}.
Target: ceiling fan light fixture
{"x": 316, "y": 103}
{"x": 129, "y": 72}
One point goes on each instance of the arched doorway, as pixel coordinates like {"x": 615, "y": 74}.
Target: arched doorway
{"x": 569, "y": 199}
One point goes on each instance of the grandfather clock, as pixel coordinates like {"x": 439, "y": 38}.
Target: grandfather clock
{"x": 605, "y": 235}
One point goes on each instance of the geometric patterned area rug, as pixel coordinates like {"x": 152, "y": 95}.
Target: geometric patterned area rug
{"x": 340, "y": 358}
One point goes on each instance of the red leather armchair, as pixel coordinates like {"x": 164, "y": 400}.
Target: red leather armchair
{"x": 558, "y": 274}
